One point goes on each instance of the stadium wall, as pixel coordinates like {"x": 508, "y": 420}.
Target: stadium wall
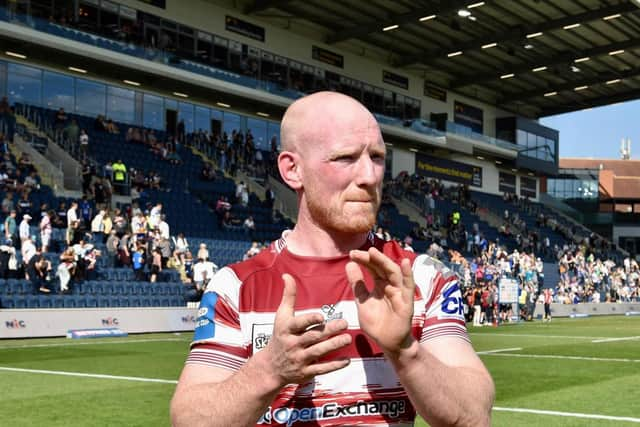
{"x": 294, "y": 40}
{"x": 29, "y": 323}
{"x": 590, "y": 309}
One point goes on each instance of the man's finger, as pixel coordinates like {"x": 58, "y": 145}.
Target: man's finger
{"x": 385, "y": 266}
{"x": 302, "y": 322}
{"x": 322, "y": 348}
{"x": 322, "y": 332}
{"x": 407, "y": 275}
{"x": 288, "y": 301}
{"x": 356, "y": 280}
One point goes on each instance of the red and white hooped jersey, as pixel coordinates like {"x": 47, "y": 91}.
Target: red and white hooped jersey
{"x": 236, "y": 316}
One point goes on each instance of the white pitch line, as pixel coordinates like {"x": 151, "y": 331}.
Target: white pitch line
{"x": 552, "y": 356}
{"x": 500, "y": 350}
{"x": 85, "y": 375}
{"x": 616, "y": 339}
{"x": 89, "y": 342}
{"x": 568, "y": 414}
{"x": 163, "y": 381}
{"x": 498, "y": 334}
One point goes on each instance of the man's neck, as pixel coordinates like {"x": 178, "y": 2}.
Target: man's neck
{"x": 310, "y": 240}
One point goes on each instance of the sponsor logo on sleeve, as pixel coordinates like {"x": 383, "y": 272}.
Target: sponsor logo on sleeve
{"x": 205, "y": 327}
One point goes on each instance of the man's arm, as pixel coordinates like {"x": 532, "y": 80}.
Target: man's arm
{"x": 446, "y": 382}
{"x": 444, "y": 378}
{"x": 212, "y": 396}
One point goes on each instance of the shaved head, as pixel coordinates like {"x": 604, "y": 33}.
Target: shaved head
{"x": 319, "y": 116}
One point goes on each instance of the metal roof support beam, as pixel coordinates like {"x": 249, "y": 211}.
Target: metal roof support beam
{"x": 429, "y": 57}
{"x": 364, "y": 28}
{"x": 590, "y": 103}
{"x": 564, "y": 58}
{"x": 600, "y": 79}
{"x": 262, "y": 5}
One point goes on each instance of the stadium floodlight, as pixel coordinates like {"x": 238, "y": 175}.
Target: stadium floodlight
{"x": 614, "y": 81}
{"x": 507, "y": 76}
{"x": 471, "y": 6}
{"x": 427, "y": 18}
{"x": 550, "y": 94}
{"x": 616, "y": 52}
{"x": 77, "y": 70}
{"x": 131, "y": 82}
{"x": 538, "y": 69}
{"x": 260, "y": 113}
{"x": 534, "y": 35}
{"x": 571, "y": 27}
{"x": 610, "y": 17}
{"x": 456, "y": 53}
{"x": 181, "y": 95}
{"x": 415, "y": 150}
{"x": 15, "y": 54}
{"x": 464, "y": 13}
{"x": 391, "y": 27}
{"x": 579, "y": 88}
{"x": 583, "y": 59}
{"x": 489, "y": 45}
{"x": 222, "y": 104}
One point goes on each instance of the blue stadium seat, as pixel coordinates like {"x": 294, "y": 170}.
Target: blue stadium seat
{"x": 91, "y": 301}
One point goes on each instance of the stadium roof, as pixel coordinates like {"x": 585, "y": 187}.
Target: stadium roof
{"x": 532, "y": 57}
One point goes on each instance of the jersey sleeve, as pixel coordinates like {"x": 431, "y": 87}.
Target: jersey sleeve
{"x": 444, "y": 305}
{"x": 218, "y": 337}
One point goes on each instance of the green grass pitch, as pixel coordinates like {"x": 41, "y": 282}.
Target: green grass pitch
{"x": 572, "y": 368}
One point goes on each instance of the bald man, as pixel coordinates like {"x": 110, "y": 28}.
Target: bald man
{"x": 331, "y": 325}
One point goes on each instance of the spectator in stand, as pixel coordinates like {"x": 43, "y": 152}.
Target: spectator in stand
{"x": 138, "y": 261}
{"x": 156, "y": 265}
{"x": 269, "y": 197}
{"x": 8, "y": 203}
{"x": 72, "y": 213}
{"x": 66, "y": 269}
{"x": 11, "y": 228}
{"x": 203, "y": 252}
{"x": 112, "y": 248}
{"x": 37, "y": 271}
{"x": 252, "y": 251}
{"x": 25, "y": 206}
{"x": 249, "y": 226}
{"x": 87, "y": 176}
{"x": 28, "y": 250}
{"x": 181, "y": 246}
{"x": 86, "y": 212}
{"x": 84, "y": 145}
{"x": 120, "y": 176}
{"x": 97, "y": 226}
{"x": 203, "y": 271}
{"x": 72, "y": 135}
{"x": 60, "y": 120}
{"x": 23, "y": 229}
{"x": 45, "y": 230}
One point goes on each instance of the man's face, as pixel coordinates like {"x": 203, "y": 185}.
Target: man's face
{"x": 342, "y": 174}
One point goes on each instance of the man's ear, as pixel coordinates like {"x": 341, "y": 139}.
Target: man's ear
{"x": 290, "y": 170}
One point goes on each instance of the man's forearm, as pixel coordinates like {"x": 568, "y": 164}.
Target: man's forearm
{"x": 240, "y": 400}
{"x": 444, "y": 395}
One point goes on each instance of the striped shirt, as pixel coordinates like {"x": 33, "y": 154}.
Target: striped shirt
{"x": 236, "y": 317}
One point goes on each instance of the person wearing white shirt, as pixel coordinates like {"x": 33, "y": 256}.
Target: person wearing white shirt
{"x": 203, "y": 271}
{"x": 163, "y": 228}
{"x": 23, "y": 229}
{"x": 155, "y": 215}
{"x": 28, "y": 250}
{"x": 72, "y": 215}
